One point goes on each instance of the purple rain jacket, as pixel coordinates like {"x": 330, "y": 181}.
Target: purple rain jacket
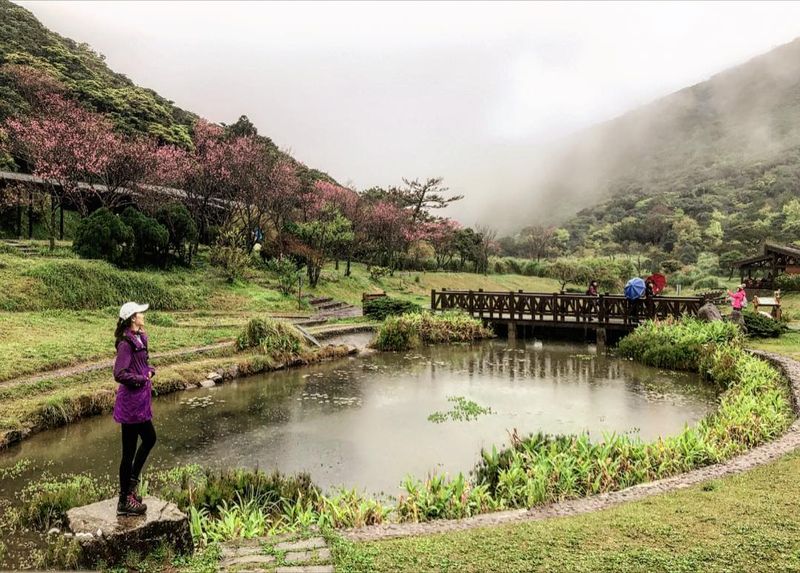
{"x": 131, "y": 370}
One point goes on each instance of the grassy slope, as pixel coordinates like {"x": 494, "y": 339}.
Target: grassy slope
{"x": 743, "y": 523}
{"x": 50, "y": 336}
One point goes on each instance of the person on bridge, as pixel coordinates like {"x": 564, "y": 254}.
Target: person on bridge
{"x": 132, "y": 408}
{"x": 592, "y": 290}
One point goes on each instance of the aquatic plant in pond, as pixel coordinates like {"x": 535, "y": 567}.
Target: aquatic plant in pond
{"x": 462, "y": 410}
{"x": 413, "y": 330}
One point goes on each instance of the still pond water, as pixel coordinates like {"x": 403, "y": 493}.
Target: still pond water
{"x": 363, "y": 422}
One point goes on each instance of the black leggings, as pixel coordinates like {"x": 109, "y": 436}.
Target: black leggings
{"x": 133, "y": 459}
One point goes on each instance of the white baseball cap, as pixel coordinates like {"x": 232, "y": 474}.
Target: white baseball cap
{"x": 130, "y": 308}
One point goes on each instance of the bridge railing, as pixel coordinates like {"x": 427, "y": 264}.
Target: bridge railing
{"x": 562, "y": 307}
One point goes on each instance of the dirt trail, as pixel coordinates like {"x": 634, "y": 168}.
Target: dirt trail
{"x": 86, "y": 367}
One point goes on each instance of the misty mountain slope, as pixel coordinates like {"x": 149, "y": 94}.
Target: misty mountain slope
{"x": 736, "y": 133}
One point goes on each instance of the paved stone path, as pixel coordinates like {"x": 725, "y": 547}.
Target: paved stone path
{"x": 296, "y": 553}
{"x": 760, "y": 455}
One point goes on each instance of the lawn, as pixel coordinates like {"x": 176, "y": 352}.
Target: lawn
{"x": 747, "y": 522}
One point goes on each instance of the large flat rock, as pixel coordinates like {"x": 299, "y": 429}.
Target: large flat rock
{"x": 104, "y": 536}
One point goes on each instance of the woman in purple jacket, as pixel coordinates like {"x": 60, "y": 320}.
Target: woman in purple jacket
{"x": 132, "y": 406}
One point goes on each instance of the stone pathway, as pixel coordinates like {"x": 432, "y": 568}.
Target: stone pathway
{"x": 290, "y": 553}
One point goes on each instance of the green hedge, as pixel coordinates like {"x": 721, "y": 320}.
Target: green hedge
{"x": 382, "y": 307}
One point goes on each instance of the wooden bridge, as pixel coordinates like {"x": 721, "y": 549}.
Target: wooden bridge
{"x": 563, "y": 310}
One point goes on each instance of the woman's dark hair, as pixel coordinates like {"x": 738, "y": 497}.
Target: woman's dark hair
{"x": 122, "y": 328}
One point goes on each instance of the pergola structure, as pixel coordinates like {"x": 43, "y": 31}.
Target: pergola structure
{"x": 759, "y": 272}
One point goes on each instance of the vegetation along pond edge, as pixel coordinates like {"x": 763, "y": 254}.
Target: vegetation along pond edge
{"x": 759, "y": 455}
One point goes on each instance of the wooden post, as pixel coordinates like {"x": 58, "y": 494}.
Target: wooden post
{"x": 512, "y": 331}
{"x": 554, "y": 304}
{"x": 601, "y": 339}
{"x": 511, "y": 304}
{"x": 470, "y": 302}
{"x": 433, "y": 299}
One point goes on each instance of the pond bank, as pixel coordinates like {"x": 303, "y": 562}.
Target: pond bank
{"x": 754, "y": 457}
{"x": 66, "y": 400}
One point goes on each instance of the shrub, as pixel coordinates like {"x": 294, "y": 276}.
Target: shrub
{"x": 411, "y": 330}
{"x": 710, "y": 282}
{"x": 181, "y": 227}
{"x": 287, "y": 273}
{"x": 150, "y": 238}
{"x": 760, "y": 326}
{"x": 102, "y": 235}
{"x": 381, "y": 307}
{"x": 788, "y": 282}
{"x": 377, "y": 273}
{"x": 230, "y": 259}
{"x": 273, "y": 337}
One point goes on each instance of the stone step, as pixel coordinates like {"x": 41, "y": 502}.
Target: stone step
{"x": 311, "y": 321}
{"x": 330, "y": 304}
{"x": 320, "y": 300}
{"x": 104, "y": 536}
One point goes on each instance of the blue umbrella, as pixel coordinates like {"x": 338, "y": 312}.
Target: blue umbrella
{"x": 634, "y": 289}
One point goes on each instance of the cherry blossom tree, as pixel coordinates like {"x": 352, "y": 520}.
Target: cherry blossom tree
{"x": 63, "y": 144}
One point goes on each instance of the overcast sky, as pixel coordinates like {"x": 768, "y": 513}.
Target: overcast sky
{"x": 372, "y": 92}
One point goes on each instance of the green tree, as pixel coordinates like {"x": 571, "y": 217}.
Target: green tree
{"x": 102, "y": 235}
{"x": 323, "y": 238}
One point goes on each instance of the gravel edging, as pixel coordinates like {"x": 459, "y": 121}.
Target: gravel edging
{"x": 757, "y": 456}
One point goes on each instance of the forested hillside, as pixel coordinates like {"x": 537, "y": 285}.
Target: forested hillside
{"x": 714, "y": 167}
{"x": 133, "y": 109}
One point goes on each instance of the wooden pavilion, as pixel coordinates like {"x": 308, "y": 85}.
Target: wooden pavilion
{"x": 759, "y": 272}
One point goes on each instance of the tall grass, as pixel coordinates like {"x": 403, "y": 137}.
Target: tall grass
{"x": 274, "y": 337}
{"x": 413, "y": 330}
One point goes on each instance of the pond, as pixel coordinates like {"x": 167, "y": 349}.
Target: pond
{"x": 363, "y": 422}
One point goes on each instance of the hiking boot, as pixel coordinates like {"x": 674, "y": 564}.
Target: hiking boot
{"x": 129, "y": 505}
{"x": 133, "y": 486}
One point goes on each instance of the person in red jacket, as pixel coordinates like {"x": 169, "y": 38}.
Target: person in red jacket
{"x": 132, "y": 407}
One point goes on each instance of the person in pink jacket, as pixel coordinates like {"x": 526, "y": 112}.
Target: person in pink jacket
{"x": 738, "y": 298}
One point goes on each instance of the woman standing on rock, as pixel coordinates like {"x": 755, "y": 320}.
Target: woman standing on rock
{"x": 132, "y": 407}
